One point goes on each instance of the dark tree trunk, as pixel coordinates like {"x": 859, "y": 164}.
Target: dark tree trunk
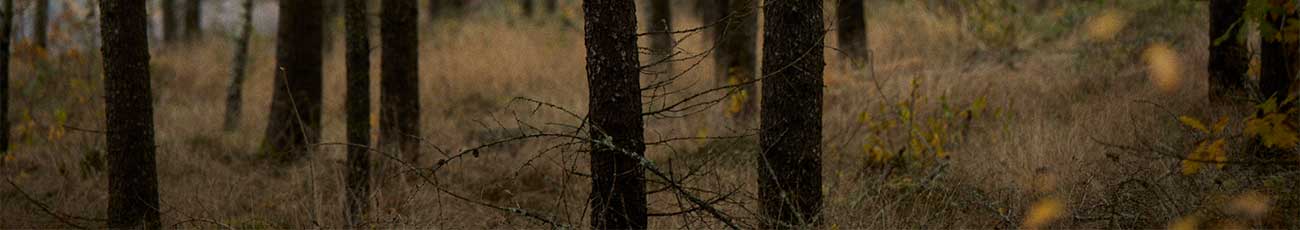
{"x": 42, "y": 23}
{"x": 357, "y": 105}
{"x": 193, "y": 19}
{"x": 617, "y": 198}
{"x": 528, "y": 7}
{"x": 1229, "y": 60}
{"x": 234, "y": 91}
{"x": 737, "y": 57}
{"x": 661, "y": 39}
{"x": 552, "y": 6}
{"x": 851, "y": 29}
{"x": 399, "y": 98}
{"x": 5, "y": 30}
{"x": 170, "y": 31}
{"x": 1278, "y": 56}
{"x": 132, "y": 175}
{"x": 789, "y": 168}
{"x": 294, "y": 123}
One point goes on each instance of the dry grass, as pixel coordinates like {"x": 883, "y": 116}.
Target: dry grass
{"x": 1054, "y": 100}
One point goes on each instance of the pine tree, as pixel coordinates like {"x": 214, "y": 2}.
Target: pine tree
{"x": 193, "y": 19}
{"x": 294, "y": 123}
{"x": 234, "y": 91}
{"x": 1229, "y": 59}
{"x": 399, "y": 98}
{"x": 789, "y": 168}
{"x": 851, "y": 29}
{"x": 41, "y": 24}
{"x": 357, "y": 104}
{"x": 7, "y": 15}
{"x": 618, "y": 199}
{"x": 1279, "y": 54}
{"x": 132, "y": 173}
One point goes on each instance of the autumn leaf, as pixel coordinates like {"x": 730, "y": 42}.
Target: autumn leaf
{"x": 1192, "y": 164}
{"x": 1220, "y": 125}
{"x": 1273, "y": 130}
{"x": 1193, "y": 123}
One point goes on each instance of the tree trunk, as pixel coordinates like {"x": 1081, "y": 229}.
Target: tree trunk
{"x": 851, "y": 29}
{"x": 5, "y": 31}
{"x": 294, "y": 123}
{"x": 736, "y": 57}
{"x": 234, "y": 92}
{"x": 618, "y": 199}
{"x": 193, "y": 19}
{"x": 42, "y": 23}
{"x": 399, "y": 98}
{"x": 1278, "y": 57}
{"x": 132, "y": 175}
{"x": 527, "y": 5}
{"x": 789, "y": 168}
{"x": 552, "y": 6}
{"x": 168, "y": 20}
{"x": 357, "y": 105}
{"x": 1229, "y": 60}
{"x": 660, "y": 27}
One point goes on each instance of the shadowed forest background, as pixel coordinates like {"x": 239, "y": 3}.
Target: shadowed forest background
{"x": 944, "y": 114}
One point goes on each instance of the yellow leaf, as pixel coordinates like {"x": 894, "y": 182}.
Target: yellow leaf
{"x": 1043, "y": 212}
{"x": 1220, "y": 125}
{"x": 1215, "y": 151}
{"x": 1193, "y": 123}
{"x": 1185, "y": 223}
{"x": 1273, "y": 131}
{"x": 1192, "y": 164}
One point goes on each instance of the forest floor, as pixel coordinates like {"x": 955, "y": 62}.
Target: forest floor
{"x": 958, "y": 123}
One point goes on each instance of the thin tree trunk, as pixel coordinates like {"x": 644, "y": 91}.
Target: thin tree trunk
{"x": 234, "y": 91}
{"x": 1229, "y": 59}
{"x": 552, "y": 6}
{"x": 5, "y": 30}
{"x": 193, "y": 19}
{"x": 42, "y": 23}
{"x": 661, "y": 39}
{"x": 132, "y": 175}
{"x": 1278, "y": 55}
{"x": 789, "y": 168}
{"x": 357, "y": 105}
{"x": 170, "y": 32}
{"x": 528, "y": 7}
{"x": 851, "y": 29}
{"x": 736, "y": 57}
{"x": 399, "y": 99}
{"x": 294, "y": 123}
{"x": 618, "y": 199}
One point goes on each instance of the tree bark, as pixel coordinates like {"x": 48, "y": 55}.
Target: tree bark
{"x": 399, "y": 99}
{"x": 1278, "y": 56}
{"x": 294, "y": 123}
{"x": 170, "y": 32}
{"x": 1229, "y": 60}
{"x": 661, "y": 39}
{"x": 41, "y": 23}
{"x": 132, "y": 175}
{"x": 617, "y": 198}
{"x": 737, "y": 57}
{"x": 851, "y": 29}
{"x": 789, "y": 168}
{"x": 234, "y": 91}
{"x": 193, "y": 19}
{"x": 357, "y": 104}
{"x": 528, "y": 7}
{"x": 5, "y": 32}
